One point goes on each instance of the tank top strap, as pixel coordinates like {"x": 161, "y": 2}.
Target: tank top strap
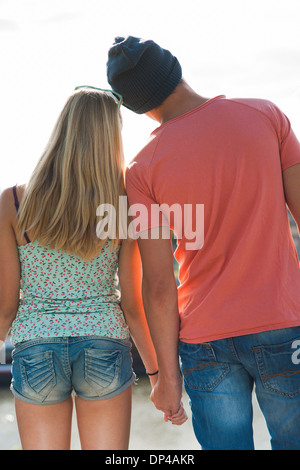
{"x": 17, "y": 205}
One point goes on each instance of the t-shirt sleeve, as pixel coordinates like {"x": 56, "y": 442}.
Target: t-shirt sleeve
{"x": 143, "y": 208}
{"x": 289, "y": 144}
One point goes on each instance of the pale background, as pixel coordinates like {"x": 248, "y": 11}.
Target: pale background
{"x": 240, "y": 48}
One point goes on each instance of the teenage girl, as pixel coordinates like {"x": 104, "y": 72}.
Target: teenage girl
{"x": 69, "y": 328}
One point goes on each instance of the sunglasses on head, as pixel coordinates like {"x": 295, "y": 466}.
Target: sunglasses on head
{"x": 118, "y": 99}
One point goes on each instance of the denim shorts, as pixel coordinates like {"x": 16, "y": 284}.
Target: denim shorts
{"x": 48, "y": 370}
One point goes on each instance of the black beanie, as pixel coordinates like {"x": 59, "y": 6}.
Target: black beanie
{"x": 142, "y": 72}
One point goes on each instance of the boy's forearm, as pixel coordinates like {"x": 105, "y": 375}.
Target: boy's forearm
{"x": 163, "y": 319}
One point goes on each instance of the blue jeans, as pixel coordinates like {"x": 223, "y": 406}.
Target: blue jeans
{"x": 219, "y": 377}
{"x": 47, "y": 370}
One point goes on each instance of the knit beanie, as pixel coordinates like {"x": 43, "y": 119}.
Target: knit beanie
{"x": 142, "y": 72}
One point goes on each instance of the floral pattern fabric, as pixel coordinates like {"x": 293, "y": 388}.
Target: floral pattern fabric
{"x": 62, "y": 295}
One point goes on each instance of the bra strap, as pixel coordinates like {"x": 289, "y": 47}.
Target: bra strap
{"x": 16, "y": 198}
{"x": 17, "y": 205}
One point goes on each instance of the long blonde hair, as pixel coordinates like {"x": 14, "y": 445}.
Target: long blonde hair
{"x": 81, "y": 167}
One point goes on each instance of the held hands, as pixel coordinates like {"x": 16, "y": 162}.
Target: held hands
{"x": 178, "y": 418}
{"x": 166, "y": 396}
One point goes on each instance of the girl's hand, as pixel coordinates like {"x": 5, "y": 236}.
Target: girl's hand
{"x": 179, "y": 418}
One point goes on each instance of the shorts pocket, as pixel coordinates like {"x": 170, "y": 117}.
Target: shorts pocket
{"x": 200, "y": 369}
{"x": 102, "y": 370}
{"x": 38, "y": 374}
{"x": 278, "y": 372}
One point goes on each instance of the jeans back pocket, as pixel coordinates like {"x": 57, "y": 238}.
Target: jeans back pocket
{"x": 38, "y": 375}
{"x": 102, "y": 369}
{"x": 200, "y": 368}
{"x": 278, "y": 372}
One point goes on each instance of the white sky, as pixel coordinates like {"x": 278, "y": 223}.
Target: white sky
{"x": 240, "y": 48}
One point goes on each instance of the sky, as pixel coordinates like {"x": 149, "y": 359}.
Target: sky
{"x": 239, "y": 48}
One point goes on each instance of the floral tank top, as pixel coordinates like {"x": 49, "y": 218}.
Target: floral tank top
{"x": 62, "y": 295}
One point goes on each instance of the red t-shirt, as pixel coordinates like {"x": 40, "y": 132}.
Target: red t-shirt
{"x": 227, "y": 157}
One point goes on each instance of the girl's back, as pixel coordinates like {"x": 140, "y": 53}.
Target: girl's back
{"x": 62, "y": 295}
